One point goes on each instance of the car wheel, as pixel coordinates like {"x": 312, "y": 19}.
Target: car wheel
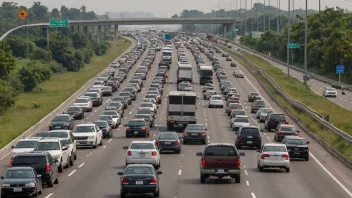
{"x": 50, "y": 182}
{"x": 202, "y": 178}
{"x": 157, "y": 193}
{"x": 238, "y": 179}
{"x": 68, "y": 162}
{"x": 261, "y": 169}
{"x": 71, "y": 160}
{"x": 95, "y": 144}
{"x": 287, "y": 170}
{"x": 35, "y": 194}
{"x": 122, "y": 194}
{"x": 306, "y": 158}
{"x": 60, "y": 168}
{"x": 101, "y": 141}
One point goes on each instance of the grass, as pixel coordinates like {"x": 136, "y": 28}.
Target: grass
{"x": 50, "y": 94}
{"x": 298, "y": 91}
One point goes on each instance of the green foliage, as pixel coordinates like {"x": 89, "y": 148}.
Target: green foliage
{"x": 101, "y": 48}
{"x": 7, "y": 61}
{"x": 19, "y": 46}
{"x": 7, "y": 95}
{"x": 41, "y": 54}
{"x": 28, "y": 78}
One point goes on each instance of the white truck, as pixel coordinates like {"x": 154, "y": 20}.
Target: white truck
{"x": 184, "y": 73}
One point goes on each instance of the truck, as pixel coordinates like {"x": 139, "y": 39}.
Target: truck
{"x": 167, "y": 55}
{"x": 220, "y": 160}
{"x": 184, "y": 73}
{"x": 181, "y": 109}
{"x": 205, "y": 74}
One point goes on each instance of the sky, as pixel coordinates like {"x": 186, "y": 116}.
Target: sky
{"x": 167, "y": 8}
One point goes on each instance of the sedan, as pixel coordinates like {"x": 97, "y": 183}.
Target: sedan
{"x": 195, "y": 133}
{"x": 216, "y": 101}
{"x": 139, "y": 178}
{"x": 273, "y": 156}
{"x": 137, "y": 127}
{"x": 168, "y": 141}
{"x": 283, "y": 130}
{"x": 105, "y": 128}
{"x": 142, "y": 152}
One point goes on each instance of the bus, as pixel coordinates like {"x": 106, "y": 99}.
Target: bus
{"x": 205, "y": 74}
{"x": 181, "y": 109}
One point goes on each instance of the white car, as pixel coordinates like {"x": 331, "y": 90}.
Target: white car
{"x": 57, "y": 150}
{"x": 88, "y": 135}
{"x": 116, "y": 117}
{"x": 216, "y": 101}
{"x": 149, "y": 105}
{"x": 330, "y": 92}
{"x": 239, "y": 121}
{"x": 67, "y": 139}
{"x": 24, "y": 146}
{"x": 85, "y": 103}
{"x": 262, "y": 113}
{"x": 143, "y": 152}
{"x": 273, "y": 156}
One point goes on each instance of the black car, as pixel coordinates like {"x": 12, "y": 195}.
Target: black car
{"x": 43, "y": 163}
{"x": 251, "y": 96}
{"x": 113, "y": 84}
{"x": 105, "y": 128}
{"x": 127, "y": 96}
{"x": 257, "y": 105}
{"x": 195, "y": 133}
{"x": 122, "y": 100}
{"x": 139, "y": 178}
{"x": 62, "y": 121}
{"x": 283, "y": 130}
{"x": 297, "y": 147}
{"x": 248, "y": 136}
{"x": 274, "y": 119}
{"x": 117, "y": 106}
{"x": 168, "y": 141}
{"x": 137, "y": 127}
{"x": 107, "y": 118}
{"x": 147, "y": 117}
{"x": 21, "y": 181}
{"x": 75, "y": 112}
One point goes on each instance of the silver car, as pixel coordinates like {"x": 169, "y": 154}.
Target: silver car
{"x": 143, "y": 152}
{"x": 262, "y": 113}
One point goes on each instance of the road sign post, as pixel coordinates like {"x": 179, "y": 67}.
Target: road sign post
{"x": 23, "y": 15}
{"x": 340, "y": 69}
{"x": 58, "y": 23}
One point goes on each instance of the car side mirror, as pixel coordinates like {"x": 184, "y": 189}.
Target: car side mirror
{"x": 308, "y": 142}
{"x": 261, "y": 130}
{"x": 12, "y": 147}
{"x": 125, "y": 147}
{"x": 39, "y": 176}
{"x": 199, "y": 153}
{"x": 2, "y": 177}
{"x": 242, "y": 154}
{"x": 64, "y": 148}
{"x": 297, "y": 131}
{"x": 55, "y": 161}
{"x": 120, "y": 173}
{"x": 159, "y": 172}
{"x": 258, "y": 150}
{"x": 125, "y": 125}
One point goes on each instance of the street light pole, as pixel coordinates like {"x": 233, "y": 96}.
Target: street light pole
{"x": 252, "y": 21}
{"x": 245, "y": 15}
{"x": 306, "y": 39}
{"x": 257, "y": 20}
{"x": 269, "y": 16}
{"x": 264, "y": 16}
{"x": 288, "y": 39}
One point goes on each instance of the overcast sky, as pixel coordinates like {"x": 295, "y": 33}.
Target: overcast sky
{"x": 166, "y": 8}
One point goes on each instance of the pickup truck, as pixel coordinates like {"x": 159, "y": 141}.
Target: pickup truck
{"x": 220, "y": 160}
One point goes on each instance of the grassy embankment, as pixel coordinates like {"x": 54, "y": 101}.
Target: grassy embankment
{"x": 339, "y": 116}
{"x": 50, "y": 94}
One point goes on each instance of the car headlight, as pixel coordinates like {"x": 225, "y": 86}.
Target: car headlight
{"x": 14, "y": 154}
{"x": 5, "y": 185}
{"x": 58, "y": 156}
{"x": 30, "y": 185}
{"x": 91, "y": 137}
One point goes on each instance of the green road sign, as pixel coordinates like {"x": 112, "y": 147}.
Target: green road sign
{"x": 58, "y": 22}
{"x": 294, "y": 45}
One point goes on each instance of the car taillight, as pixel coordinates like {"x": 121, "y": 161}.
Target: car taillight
{"x": 286, "y": 122}
{"x": 47, "y": 168}
{"x": 144, "y": 128}
{"x": 11, "y": 162}
{"x": 297, "y": 134}
{"x": 158, "y": 143}
{"x": 280, "y": 132}
{"x": 285, "y": 156}
{"x": 203, "y": 162}
{"x": 259, "y": 137}
{"x": 129, "y": 153}
{"x": 153, "y": 180}
{"x": 238, "y": 162}
{"x": 240, "y": 137}
{"x": 124, "y": 180}
{"x": 127, "y": 128}
{"x": 177, "y": 143}
{"x": 203, "y": 133}
{"x": 185, "y": 133}
{"x": 264, "y": 156}
{"x": 153, "y": 153}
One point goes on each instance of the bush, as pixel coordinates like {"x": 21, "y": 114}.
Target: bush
{"x": 28, "y": 78}
{"x": 57, "y": 67}
{"x": 19, "y": 46}
{"x": 101, "y": 48}
{"x": 7, "y": 95}
{"x": 41, "y": 54}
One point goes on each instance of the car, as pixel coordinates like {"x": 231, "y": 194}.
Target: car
{"x": 109, "y": 119}
{"x": 144, "y": 110}
{"x": 75, "y": 112}
{"x": 273, "y": 119}
{"x": 143, "y": 152}
{"x": 114, "y": 85}
{"x": 139, "y": 178}
{"x": 262, "y": 113}
{"x": 233, "y": 64}
{"x": 220, "y": 160}
{"x": 149, "y": 105}
{"x": 239, "y": 121}
{"x": 248, "y": 136}
{"x": 257, "y": 105}
{"x": 283, "y": 130}
{"x": 43, "y": 163}
{"x": 233, "y": 106}
{"x": 273, "y": 156}
{"x": 184, "y": 87}
{"x": 115, "y": 116}
{"x": 107, "y": 91}
{"x": 61, "y": 121}
{"x": 252, "y": 95}
{"x": 84, "y": 103}
{"x": 137, "y": 127}
{"x": 88, "y": 135}
{"x": 297, "y": 147}
{"x": 67, "y": 139}
{"x": 208, "y": 94}
{"x": 95, "y": 97}
{"x": 105, "y": 128}
{"x": 225, "y": 55}
{"x": 57, "y": 150}
{"x": 329, "y": 92}
{"x": 228, "y": 59}
{"x": 116, "y": 106}
{"x": 42, "y": 134}
{"x": 21, "y": 181}
{"x": 168, "y": 141}
{"x": 238, "y": 74}
{"x": 148, "y": 118}
{"x": 216, "y": 101}
{"x": 195, "y": 133}
{"x": 24, "y": 146}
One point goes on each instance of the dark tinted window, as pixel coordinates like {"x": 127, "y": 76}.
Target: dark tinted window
{"x": 220, "y": 151}
{"x": 175, "y": 100}
{"x": 26, "y": 144}
{"x": 139, "y": 170}
{"x": 296, "y": 141}
{"x": 189, "y": 100}
{"x": 259, "y": 102}
{"x": 42, "y": 134}
{"x": 249, "y": 131}
{"x": 292, "y": 129}
{"x": 29, "y": 160}
{"x": 136, "y": 123}
{"x": 58, "y": 134}
{"x": 142, "y": 146}
{"x": 278, "y": 117}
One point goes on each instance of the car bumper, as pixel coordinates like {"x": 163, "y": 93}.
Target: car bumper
{"x": 250, "y": 143}
{"x": 134, "y": 133}
{"x": 216, "y": 172}
{"x": 85, "y": 142}
{"x": 138, "y": 188}
{"x": 169, "y": 147}
{"x": 106, "y": 134}
{"x": 153, "y": 161}
{"x": 194, "y": 139}
{"x": 24, "y": 191}
{"x": 330, "y": 95}
{"x": 298, "y": 154}
{"x": 275, "y": 164}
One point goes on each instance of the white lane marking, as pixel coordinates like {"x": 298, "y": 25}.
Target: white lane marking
{"x": 247, "y": 183}
{"x": 179, "y": 172}
{"x": 130, "y": 112}
{"x": 72, "y": 173}
{"x": 80, "y": 166}
{"x": 96, "y": 110}
{"x": 208, "y": 137}
{"x": 104, "y": 146}
{"x": 268, "y": 139}
{"x": 109, "y": 140}
{"x": 245, "y": 172}
{"x": 331, "y": 175}
{"x": 265, "y": 134}
{"x": 206, "y": 125}
{"x": 49, "y": 195}
{"x": 108, "y": 100}
{"x": 253, "y": 195}
{"x": 90, "y": 153}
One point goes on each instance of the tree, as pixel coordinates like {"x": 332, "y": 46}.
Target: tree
{"x": 28, "y": 79}
{"x": 7, "y": 61}
{"x": 7, "y": 95}
{"x": 174, "y": 16}
{"x": 55, "y": 14}
{"x": 40, "y": 11}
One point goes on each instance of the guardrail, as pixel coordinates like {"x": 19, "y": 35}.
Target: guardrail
{"x": 299, "y": 105}
{"x": 46, "y": 120}
{"x": 312, "y": 75}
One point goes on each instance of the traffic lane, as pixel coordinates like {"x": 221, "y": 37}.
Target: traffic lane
{"x": 315, "y": 149}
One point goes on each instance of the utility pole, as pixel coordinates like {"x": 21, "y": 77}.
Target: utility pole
{"x": 252, "y": 21}
{"x": 237, "y": 19}
{"x": 264, "y": 16}
{"x": 241, "y": 17}
{"x": 306, "y": 40}
{"x": 245, "y": 5}
{"x": 293, "y": 18}
{"x": 257, "y": 20}
{"x": 288, "y": 39}
{"x": 277, "y": 18}
{"x": 319, "y": 6}
{"x": 269, "y": 16}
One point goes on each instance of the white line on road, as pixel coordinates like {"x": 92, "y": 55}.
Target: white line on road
{"x": 179, "y": 172}
{"x": 264, "y": 133}
{"x": 87, "y": 155}
{"x": 245, "y": 172}
{"x": 108, "y": 100}
{"x": 80, "y": 166}
{"x": 72, "y": 173}
{"x": 268, "y": 139}
{"x": 90, "y": 153}
{"x": 104, "y": 146}
{"x": 95, "y": 110}
{"x": 247, "y": 183}
{"x": 109, "y": 140}
{"x": 130, "y": 112}
{"x": 206, "y": 125}
{"x": 253, "y": 195}
{"x": 49, "y": 195}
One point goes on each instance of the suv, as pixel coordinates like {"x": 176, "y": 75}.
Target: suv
{"x": 257, "y": 105}
{"x": 248, "y": 136}
{"x": 297, "y": 147}
{"x": 220, "y": 160}
{"x": 43, "y": 163}
{"x": 274, "y": 119}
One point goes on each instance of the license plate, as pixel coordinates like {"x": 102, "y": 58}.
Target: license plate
{"x": 249, "y": 142}
{"x": 82, "y": 142}
{"x": 167, "y": 142}
{"x": 276, "y": 157}
{"x": 221, "y": 171}
{"x": 142, "y": 155}
{"x": 136, "y": 132}
{"x": 57, "y": 127}
{"x": 139, "y": 182}
{"x": 297, "y": 153}
{"x": 194, "y": 134}
{"x": 249, "y": 136}
{"x": 17, "y": 189}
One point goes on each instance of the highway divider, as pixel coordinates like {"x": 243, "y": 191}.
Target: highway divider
{"x": 47, "y": 119}
{"x": 313, "y": 114}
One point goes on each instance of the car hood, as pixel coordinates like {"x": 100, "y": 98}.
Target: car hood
{"x": 83, "y": 134}
{"x": 58, "y": 122}
{"x": 19, "y": 180}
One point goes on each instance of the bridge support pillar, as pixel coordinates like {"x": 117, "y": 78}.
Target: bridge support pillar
{"x": 99, "y": 32}
{"x": 72, "y": 29}
{"x": 78, "y": 28}
{"x": 116, "y": 32}
{"x": 225, "y": 31}
{"x": 106, "y": 30}
{"x": 85, "y": 29}
{"x": 92, "y": 31}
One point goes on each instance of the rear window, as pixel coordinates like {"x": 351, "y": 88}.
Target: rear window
{"x": 194, "y": 127}
{"x": 278, "y": 117}
{"x": 26, "y": 144}
{"x": 136, "y": 123}
{"x": 29, "y": 160}
{"x": 142, "y": 146}
{"x": 241, "y": 119}
{"x": 274, "y": 149}
{"x": 58, "y": 134}
{"x": 250, "y": 131}
{"x": 220, "y": 151}
{"x": 292, "y": 129}
{"x": 259, "y": 102}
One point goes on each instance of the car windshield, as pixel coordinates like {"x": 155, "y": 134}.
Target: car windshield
{"x": 58, "y": 134}
{"x": 146, "y": 117}
{"x": 194, "y": 127}
{"x": 267, "y": 110}
{"x": 146, "y": 105}
{"x": 65, "y": 142}
{"x": 26, "y": 144}
{"x": 250, "y": 131}
{"x": 91, "y": 95}
{"x": 216, "y": 98}
{"x": 19, "y": 174}
{"x": 73, "y": 109}
{"x": 84, "y": 129}
{"x": 140, "y": 170}
{"x": 288, "y": 128}
{"x": 235, "y": 106}
{"x": 102, "y": 124}
{"x": 296, "y": 141}
{"x": 42, "y": 134}
{"x": 259, "y": 102}
{"x": 45, "y": 146}
{"x": 81, "y": 100}
{"x": 220, "y": 151}
{"x": 112, "y": 113}
{"x": 278, "y": 117}
{"x": 105, "y": 117}
{"x": 330, "y": 89}
{"x": 254, "y": 94}
{"x": 234, "y": 113}
{"x": 61, "y": 118}
{"x": 142, "y": 146}
{"x": 168, "y": 136}
{"x": 106, "y": 88}
{"x": 136, "y": 123}
{"x": 274, "y": 149}
{"x": 115, "y": 104}
{"x": 144, "y": 111}
{"x": 241, "y": 119}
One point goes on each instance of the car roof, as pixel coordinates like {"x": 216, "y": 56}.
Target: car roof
{"x": 87, "y": 124}
{"x": 138, "y": 141}
{"x": 28, "y": 139}
{"x": 274, "y": 144}
{"x": 50, "y": 139}
{"x": 241, "y": 116}
{"x": 61, "y": 115}
{"x": 100, "y": 121}
{"x": 139, "y": 165}
{"x": 287, "y": 125}
{"x": 253, "y": 127}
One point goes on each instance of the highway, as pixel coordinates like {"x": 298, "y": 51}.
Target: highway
{"x": 317, "y": 86}
{"x": 94, "y": 174}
